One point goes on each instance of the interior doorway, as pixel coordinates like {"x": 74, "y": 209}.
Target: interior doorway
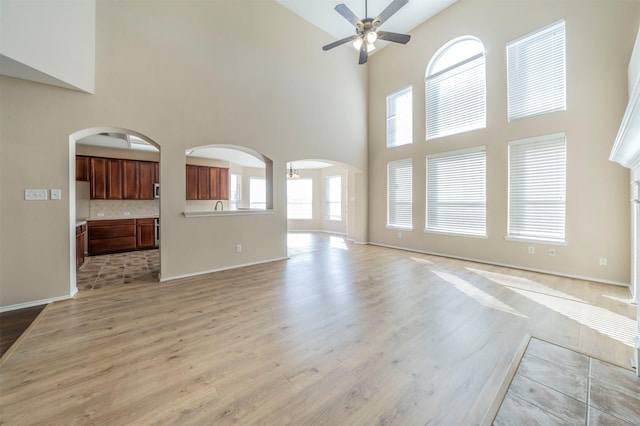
{"x": 121, "y": 188}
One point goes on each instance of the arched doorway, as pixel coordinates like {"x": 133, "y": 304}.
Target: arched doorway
{"x": 101, "y": 139}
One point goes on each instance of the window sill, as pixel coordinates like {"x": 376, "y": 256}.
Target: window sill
{"x": 241, "y": 212}
{"x": 535, "y": 240}
{"x": 456, "y": 234}
{"x": 400, "y": 228}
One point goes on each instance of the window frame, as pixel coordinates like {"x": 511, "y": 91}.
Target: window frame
{"x": 328, "y": 199}
{"x": 306, "y": 203}
{"x": 448, "y": 105}
{"x": 399, "y": 116}
{"x": 252, "y": 204}
{"x": 526, "y": 76}
{"x": 461, "y": 162}
{"x": 545, "y": 189}
{"x": 393, "y": 200}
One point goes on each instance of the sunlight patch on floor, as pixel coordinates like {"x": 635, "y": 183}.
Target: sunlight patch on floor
{"x": 476, "y": 294}
{"x": 337, "y": 242}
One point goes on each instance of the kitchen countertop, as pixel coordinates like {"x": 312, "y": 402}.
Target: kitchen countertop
{"x": 142, "y": 216}
{"x": 80, "y": 222}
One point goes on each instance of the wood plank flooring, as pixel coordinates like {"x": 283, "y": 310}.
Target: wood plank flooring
{"x": 338, "y": 334}
{"x": 14, "y": 323}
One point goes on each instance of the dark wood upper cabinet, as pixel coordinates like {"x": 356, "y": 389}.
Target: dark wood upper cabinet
{"x": 204, "y": 176}
{"x": 192, "y": 182}
{"x": 223, "y": 184}
{"x": 114, "y": 179}
{"x": 214, "y": 183}
{"x": 98, "y": 173}
{"x": 156, "y": 172}
{"x": 146, "y": 179}
{"x": 82, "y": 168}
{"x": 130, "y": 180}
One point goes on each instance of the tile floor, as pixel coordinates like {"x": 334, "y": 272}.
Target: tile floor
{"x": 554, "y": 385}
{"x": 118, "y": 269}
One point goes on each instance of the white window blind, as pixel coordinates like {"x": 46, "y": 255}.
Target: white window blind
{"x": 399, "y": 118}
{"x": 300, "y": 198}
{"x": 456, "y": 90}
{"x": 456, "y": 192}
{"x": 257, "y": 193}
{"x": 537, "y": 188}
{"x": 234, "y": 190}
{"x": 536, "y": 79}
{"x": 400, "y": 194}
{"x": 333, "y": 208}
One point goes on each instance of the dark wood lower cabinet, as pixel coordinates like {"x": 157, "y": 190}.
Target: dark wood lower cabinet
{"x": 120, "y": 235}
{"x": 81, "y": 231}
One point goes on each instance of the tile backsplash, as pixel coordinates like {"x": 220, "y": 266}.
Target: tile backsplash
{"x": 116, "y": 208}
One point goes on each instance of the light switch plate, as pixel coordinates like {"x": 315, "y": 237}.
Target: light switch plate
{"x": 35, "y": 194}
{"x": 56, "y": 194}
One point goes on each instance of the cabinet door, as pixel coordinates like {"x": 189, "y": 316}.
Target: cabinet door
{"x": 130, "y": 180}
{"x": 192, "y": 182}
{"x": 146, "y": 179}
{"x": 114, "y": 179}
{"x": 145, "y": 233}
{"x": 204, "y": 177}
{"x": 156, "y": 172}
{"x": 223, "y": 184}
{"x": 82, "y": 168}
{"x": 98, "y": 172}
{"x": 214, "y": 183}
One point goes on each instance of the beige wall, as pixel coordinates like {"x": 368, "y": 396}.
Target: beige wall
{"x": 182, "y": 74}
{"x": 599, "y": 40}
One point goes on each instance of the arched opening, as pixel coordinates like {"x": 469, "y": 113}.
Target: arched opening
{"x": 321, "y": 199}
{"x": 227, "y": 178}
{"x": 114, "y": 185}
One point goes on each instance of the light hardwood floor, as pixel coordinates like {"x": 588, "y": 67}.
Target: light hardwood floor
{"x": 338, "y": 334}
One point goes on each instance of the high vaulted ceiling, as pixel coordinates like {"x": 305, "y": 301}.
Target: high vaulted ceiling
{"x": 321, "y": 13}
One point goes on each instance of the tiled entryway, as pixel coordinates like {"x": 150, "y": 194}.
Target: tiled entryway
{"x": 118, "y": 269}
{"x": 554, "y": 385}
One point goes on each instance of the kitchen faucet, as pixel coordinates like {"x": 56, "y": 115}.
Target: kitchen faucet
{"x": 221, "y": 206}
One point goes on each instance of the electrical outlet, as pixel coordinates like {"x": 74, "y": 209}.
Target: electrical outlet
{"x": 100, "y": 214}
{"x": 603, "y": 261}
{"x": 126, "y": 213}
{"x": 531, "y": 250}
{"x": 56, "y": 194}
{"x": 238, "y": 248}
{"x": 35, "y": 194}
{"x": 552, "y": 252}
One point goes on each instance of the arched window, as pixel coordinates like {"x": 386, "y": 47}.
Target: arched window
{"x": 456, "y": 88}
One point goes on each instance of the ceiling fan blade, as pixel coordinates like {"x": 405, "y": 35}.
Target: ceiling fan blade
{"x": 339, "y": 42}
{"x": 343, "y": 10}
{"x": 390, "y": 10}
{"x": 394, "y": 37}
{"x": 363, "y": 54}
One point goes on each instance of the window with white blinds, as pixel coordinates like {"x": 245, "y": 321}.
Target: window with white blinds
{"x": 257, "y": 193}
{"x": 300, "y": 198}
{"x": 456, "y": 192}
{"x": 537, "y": 188}
{"x": 333, "y": 200}
{"x": 400, "y": 194}
{"x": 399, "y": 118}
{"x": 536, "y": 79}
{"x": 455, "y": 89}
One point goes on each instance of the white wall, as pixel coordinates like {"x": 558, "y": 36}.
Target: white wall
{"x": 52, "y": 42}
{"x": 196, "y": 73}
{"x": 599, "y": 40}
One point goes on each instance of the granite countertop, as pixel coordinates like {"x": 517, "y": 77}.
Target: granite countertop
{"x": 80, "y": 222}
{"x": 133, "y": 216}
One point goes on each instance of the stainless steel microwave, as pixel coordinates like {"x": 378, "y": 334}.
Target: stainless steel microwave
{"x": 156, "y": 190}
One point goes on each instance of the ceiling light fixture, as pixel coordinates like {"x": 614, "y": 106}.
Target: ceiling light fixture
{"x": 292, "y": 173}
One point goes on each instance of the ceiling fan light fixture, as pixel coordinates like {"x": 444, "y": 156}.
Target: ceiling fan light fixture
{"x": 357, "y": 44}
{"x": 371, "y": 37}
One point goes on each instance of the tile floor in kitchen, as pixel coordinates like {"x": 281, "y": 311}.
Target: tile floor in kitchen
{"x": 554, "y": 385}
{"x": 118, "y": 269}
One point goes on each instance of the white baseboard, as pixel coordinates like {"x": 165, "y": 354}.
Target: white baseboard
{"x": 34, "y": 303}
{"x": 226, "y": 268}
{"x": 506, "y": 265}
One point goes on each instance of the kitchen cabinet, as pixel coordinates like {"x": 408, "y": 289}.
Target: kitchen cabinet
{"x": 207, "y": 183}
{"x": 145, "y": 233}
{"x": 146, "y": 179}
{"x": 111, "y": 236}
{"x": 81, "y": 231}
{"x": 130, "y": 180}
{"x": 98, "y": 174}
{"x": 114, "y": 179}
{"x": 82, "y": 169}
{"x": 120, "y": 235}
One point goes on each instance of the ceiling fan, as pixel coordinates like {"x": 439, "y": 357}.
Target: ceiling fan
{"x": 367, "y": 29}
